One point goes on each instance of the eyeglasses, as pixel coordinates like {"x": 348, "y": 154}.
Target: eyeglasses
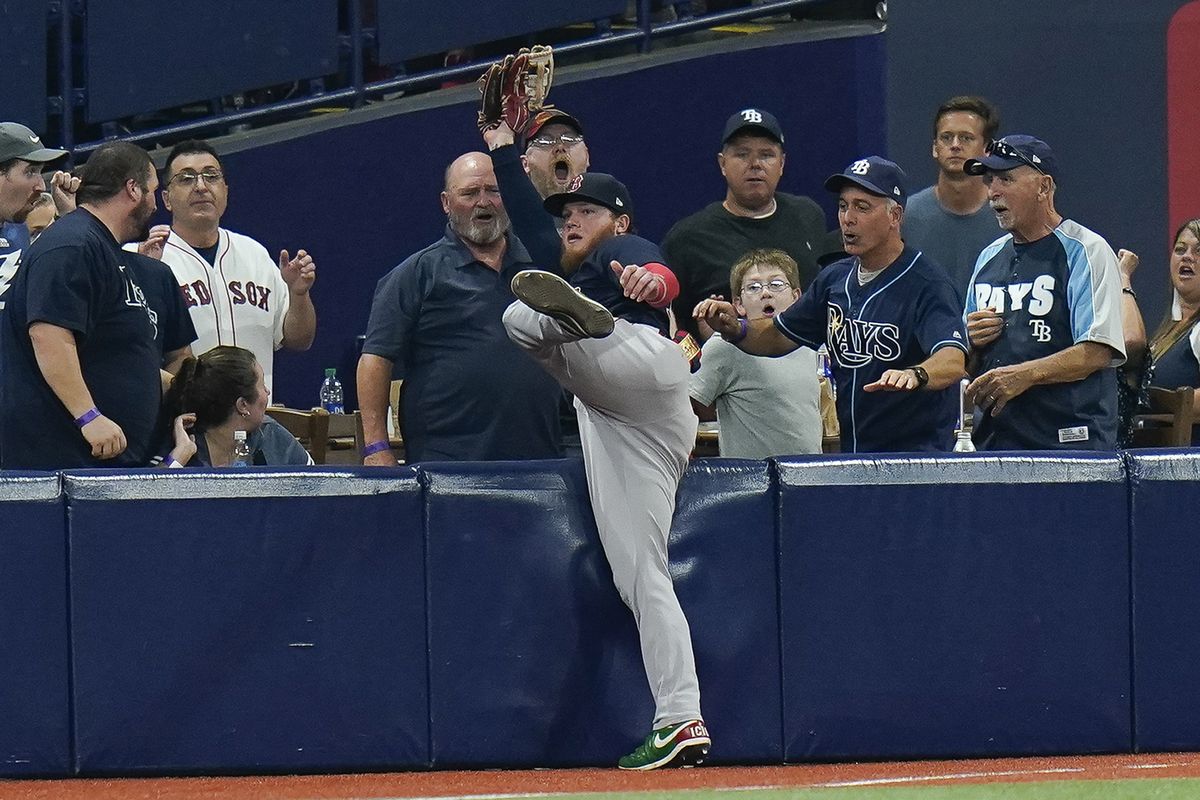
{"x": 187, "y": 179}
{"x": 776, "y": 286}
{"x": 1006, "y": 150}
{"x": 568, "y": 139}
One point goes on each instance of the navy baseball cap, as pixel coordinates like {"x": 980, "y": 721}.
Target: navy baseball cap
{"x": 548, "y": 116}
{"x": 592, "y": 187}
{"x": 876, "y": 175}
{"x": 753, "y": 120}
{"x": 1014, "y": 151}
{"x": 17, "y": 141}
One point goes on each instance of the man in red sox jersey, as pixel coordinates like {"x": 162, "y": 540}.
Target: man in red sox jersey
{"x": 235, "y": 291}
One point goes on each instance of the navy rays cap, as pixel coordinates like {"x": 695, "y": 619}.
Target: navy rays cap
{"x": 17, "y": 141}
{"x": 752, "y": 120}
{"x": 876, "y": 175}
{"x": 1014, "y": 151}
{"x": 592, "y": 187}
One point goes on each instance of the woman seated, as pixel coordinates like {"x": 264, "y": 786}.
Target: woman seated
{"x": 1175, "y": 346}
{"x": 216, "y": 394}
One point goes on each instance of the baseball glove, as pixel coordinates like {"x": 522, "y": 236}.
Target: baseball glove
{"x": 515, "y": 89}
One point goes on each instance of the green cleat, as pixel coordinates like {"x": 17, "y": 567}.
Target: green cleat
{"x": 684, "y": 744}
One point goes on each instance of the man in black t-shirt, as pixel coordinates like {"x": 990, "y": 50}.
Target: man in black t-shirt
{"x": 81, "y": 384}
{"x": 703, "y": 248}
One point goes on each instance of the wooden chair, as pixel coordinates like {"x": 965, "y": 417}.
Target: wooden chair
{"x": 1169, "y": 420}
{"x": 310, "y": 427}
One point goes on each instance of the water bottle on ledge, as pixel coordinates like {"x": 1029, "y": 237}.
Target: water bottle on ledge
{"x": 331, "y": 393}
{"x": 241, "y": 450}
{"x": 962, "y": 434}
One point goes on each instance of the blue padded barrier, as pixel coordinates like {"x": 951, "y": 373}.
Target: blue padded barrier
{"x": 534, "y": 659}
{"x": 1166, "y": 604}
{"x": 956, "y": 606}
{"x": 247, "y": 621}
{"x": 533, "y": 652}
{"x": 724, "y": 560}
{"x": 35, "y": 736}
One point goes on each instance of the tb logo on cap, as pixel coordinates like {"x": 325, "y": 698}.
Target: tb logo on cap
{"x": 750, "y": 115}
{"x": 861, "y": 167}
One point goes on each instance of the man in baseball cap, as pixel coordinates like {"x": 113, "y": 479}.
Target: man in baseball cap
{"x": 1046, "y": 351}
{"x": 22, "y": 155}
{"x": 593, "y": 187}
{"x": 876, "y": 175}
{"x": 555, "y": 152}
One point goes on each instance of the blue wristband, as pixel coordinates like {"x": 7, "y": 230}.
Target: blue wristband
{"x": 375, "y": 447}
{"x": 87, "y": 416}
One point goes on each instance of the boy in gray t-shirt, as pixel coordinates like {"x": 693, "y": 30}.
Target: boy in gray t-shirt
{"x": 764, "y": 406}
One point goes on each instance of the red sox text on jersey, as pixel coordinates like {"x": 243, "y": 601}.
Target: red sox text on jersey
{"x": 249, "y": 293}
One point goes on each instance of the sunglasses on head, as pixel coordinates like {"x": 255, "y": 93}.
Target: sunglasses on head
{"x": 1003, "y": 149}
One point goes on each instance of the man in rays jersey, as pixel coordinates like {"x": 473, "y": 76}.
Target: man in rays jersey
{"x": 888, "y": 316}
{"x": 1043, "y": 312}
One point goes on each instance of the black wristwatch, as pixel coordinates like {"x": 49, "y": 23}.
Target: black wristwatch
{"x": 922, "y": 376}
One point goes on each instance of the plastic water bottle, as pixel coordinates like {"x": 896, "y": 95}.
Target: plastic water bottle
{"x": 331, "y": 393}
{"x": 241, "y": 450}
{"x": 825, "y": 370}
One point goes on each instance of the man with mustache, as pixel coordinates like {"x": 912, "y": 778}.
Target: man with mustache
{"x": 1043, "y": 314}
{"x": 603, "y": 336}
{"x": 469, "y": 393}
{"x": 81, "y": 385}
{"x": 235, "y": 291}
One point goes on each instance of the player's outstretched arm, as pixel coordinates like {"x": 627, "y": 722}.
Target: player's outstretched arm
{"x": 757, "y": 337}
{"x": 944, "y": 368}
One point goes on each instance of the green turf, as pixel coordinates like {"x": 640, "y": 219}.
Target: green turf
{"x": 1138, "y": 789}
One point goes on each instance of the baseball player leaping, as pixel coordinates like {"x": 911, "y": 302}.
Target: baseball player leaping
{"x": 603, "y": 336}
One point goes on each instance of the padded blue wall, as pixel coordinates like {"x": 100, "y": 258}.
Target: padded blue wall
{"x": 247, "y": 622}
{"x": 23, "y": 91}
{"x": 966, "y": 606}
{"x": 34, "y": 712}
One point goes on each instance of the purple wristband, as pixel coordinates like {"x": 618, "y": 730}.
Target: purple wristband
{"x": 743, "y": 329}
{"x": 88, "y": 416}
{"x": 375, "y": 447}
{"x": 169, "y": 462}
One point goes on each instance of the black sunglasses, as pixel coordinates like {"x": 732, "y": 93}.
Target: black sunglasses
{"x": 1005, "y": 150}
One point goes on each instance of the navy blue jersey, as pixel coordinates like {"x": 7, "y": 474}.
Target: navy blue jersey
{"x": 14, "y": 238}
{"x": 597, "y": 280}
{"x": 899, "y": 319}
{"x": 75, "y": 277}
{"x": 470, "y": 394}
{"x": 173, "y": 327}
{"x": 1061, "y": 290}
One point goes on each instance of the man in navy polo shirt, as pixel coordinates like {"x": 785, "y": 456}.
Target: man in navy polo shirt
{"x": 1043, "y": 312}
{"x": 888, "y": 316}
{"x": 469, "y": 393}
{"x": 81, "y": 384}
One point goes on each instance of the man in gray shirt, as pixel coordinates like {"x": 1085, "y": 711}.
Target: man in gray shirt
{"x": 951, "y": 221}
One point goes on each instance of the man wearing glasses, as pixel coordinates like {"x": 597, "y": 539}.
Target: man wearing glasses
{"x": 236, "y": 293}
{"x": 704, "y": 247}
{"x": 1043, "y": 314}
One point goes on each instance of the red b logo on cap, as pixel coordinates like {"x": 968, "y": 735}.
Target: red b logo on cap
{"x": 576, "y": 182}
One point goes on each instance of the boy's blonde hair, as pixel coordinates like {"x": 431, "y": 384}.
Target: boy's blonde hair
{"x": 763, "y": 257}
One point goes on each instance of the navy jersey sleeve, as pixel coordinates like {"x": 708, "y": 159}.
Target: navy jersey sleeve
{"x": 804, "y": 320}
{"x": 63, "y": 289}
{"x": 394, "y": 313}
{"x": 939, "y": 319}
{"x": 166, "y": 301}
{"x": 532, "y": 224}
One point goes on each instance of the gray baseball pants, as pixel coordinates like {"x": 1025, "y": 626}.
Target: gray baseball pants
{"x": 637, "y": 429}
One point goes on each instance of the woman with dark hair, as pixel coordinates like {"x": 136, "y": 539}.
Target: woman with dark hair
{"x": 1175, "y": 346}
{"x": 217, "y": 394}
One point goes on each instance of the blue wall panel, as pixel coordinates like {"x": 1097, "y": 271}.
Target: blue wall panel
{"x": 963, "y": 607}
{"x": 408, "y": 29}
{"x": 1166, "y": 605}
{"x": 35, "y": 734}
{"x": 23, "y": 90}
{"x": 385, "y": 175}
{"x": 145, "y": 55}
{"x": 247, "y": 622}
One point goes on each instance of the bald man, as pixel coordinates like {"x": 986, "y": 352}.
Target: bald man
{"x": 470, "y": 394}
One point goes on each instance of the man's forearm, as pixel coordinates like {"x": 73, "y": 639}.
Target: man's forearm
{"x": 300, "y": 324}
{"x": 945, "y": 367}
{"x": 58, "y": 359}
{"x": 1072, "y": 364}
{"x": 374, "y": 379}
{"x": 764, "y": 339}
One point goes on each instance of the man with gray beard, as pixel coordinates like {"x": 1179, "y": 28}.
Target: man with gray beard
{"x": 469, "y": 393}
